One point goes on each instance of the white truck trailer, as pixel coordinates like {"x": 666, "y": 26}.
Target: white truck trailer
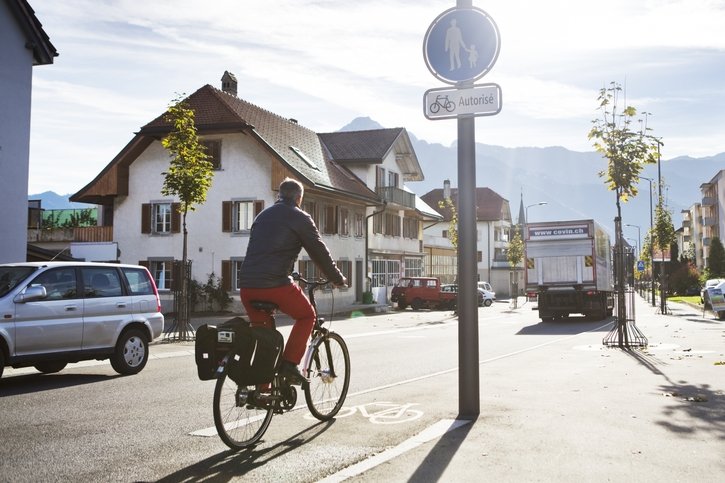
{"x": 569, "y": 269}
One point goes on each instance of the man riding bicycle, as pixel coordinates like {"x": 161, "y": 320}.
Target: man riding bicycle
{"x": 278, "y": 235}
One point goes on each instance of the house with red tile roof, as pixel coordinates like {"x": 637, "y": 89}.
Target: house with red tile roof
{"x": 354, "y": 190}
{"x": 494, "y": 229}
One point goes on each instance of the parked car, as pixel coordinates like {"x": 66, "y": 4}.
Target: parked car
{"x": 422, "y": 293}
{"x": 54, "y": 313}
{"x": 709, "y": 284}
{"x": 485, "y": 297}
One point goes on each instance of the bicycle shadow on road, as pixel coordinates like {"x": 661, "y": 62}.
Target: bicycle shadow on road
{"x": 441, "y": 455}
{"x": 231, "y": 464}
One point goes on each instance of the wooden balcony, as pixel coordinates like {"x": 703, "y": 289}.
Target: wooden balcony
{"x": 93, "y": 234}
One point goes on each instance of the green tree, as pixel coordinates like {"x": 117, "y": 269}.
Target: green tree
{"x": 190, "y": 172}
{"x": 716, "y": 259}
{"x": 448, "y": 206}
{"x": 514, "y": 255}
{"x": 515, "y": 252}
{"x": 626, "y": 149}
{"x": 664, "y": 230}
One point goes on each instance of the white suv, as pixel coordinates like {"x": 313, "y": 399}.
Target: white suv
{"x": 53, "y": 313}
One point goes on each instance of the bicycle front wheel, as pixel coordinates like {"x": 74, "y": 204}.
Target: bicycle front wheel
{"x": 240, "y": 423}
{"x": 329, "y": 375}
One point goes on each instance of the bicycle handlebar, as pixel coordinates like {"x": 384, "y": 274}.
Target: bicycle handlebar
{"x": 315, "y": 283}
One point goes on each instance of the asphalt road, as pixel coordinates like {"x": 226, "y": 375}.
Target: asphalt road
{"x": 88, "y": 424}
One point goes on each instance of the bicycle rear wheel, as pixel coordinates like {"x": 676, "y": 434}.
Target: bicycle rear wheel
{"x": 329, "y": 375}
{"x": 239, "y": 423}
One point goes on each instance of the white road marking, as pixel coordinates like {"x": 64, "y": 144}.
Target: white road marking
{"x": 212, "y": 431}
{"x": 430, "y": 433}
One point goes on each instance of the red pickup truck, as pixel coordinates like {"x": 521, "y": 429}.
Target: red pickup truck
{"x": 421, "y": 293}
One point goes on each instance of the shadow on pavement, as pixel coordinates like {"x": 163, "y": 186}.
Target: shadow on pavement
{"x": 567, "y": 326}
{"x": 440, "y": 456}
{"x": 31, "y": 383}
{"x": 229, "y": 465}
{"x": 694, "y": 408}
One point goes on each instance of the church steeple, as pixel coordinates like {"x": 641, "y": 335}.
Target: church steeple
{"x": 522, "y": 211}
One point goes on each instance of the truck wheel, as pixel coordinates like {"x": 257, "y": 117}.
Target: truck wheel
{"x": 721, "y": 315}
{"x": 547, "y": 318}
{"x": 416, "y": 304}
{"x": 487, "y": 302}
{"x": 402, "y": 306}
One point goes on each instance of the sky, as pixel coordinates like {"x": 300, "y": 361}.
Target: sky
{"x": 327, "y": 62}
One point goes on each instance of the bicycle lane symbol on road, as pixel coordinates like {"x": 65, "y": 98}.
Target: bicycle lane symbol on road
{"x": 381, "y": 412}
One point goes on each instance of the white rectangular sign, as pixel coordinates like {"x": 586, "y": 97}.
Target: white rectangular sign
{"x": 450, "y": 102}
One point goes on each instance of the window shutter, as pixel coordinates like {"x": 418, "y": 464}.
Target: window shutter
{"x": 226, "y": 216}
{"x": 258, "y": 207}
{"x": 175, "y": 218}
{"x": 227, "y": 275}
{"x": 146, "y": 218}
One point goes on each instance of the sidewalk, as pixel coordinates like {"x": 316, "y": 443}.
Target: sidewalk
{"x": 579, "y": 411}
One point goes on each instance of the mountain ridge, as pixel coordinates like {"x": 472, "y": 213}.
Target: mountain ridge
{"x": 566, "y": 180}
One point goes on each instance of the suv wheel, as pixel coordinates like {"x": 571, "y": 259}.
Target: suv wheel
{"x": 132, "y": 352}
{"x": 487, "y": 302}
{"x": 50, "y": 367}
{"x": 2, "y": 361}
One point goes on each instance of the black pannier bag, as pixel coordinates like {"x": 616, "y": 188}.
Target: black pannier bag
{"x": 209, "y": 351}
{"x": 258, "y": 351}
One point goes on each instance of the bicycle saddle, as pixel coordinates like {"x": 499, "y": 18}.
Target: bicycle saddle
{"x": 264, "y": 305}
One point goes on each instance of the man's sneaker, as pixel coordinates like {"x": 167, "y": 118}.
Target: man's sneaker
{"x": 293, "y": 375}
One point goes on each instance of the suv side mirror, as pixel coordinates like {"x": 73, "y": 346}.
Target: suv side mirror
{"x": 31, "y": 294}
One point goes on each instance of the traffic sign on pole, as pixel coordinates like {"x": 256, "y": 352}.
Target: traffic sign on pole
{"x": 462, "y": 44}
{"x": 451, "y": 102}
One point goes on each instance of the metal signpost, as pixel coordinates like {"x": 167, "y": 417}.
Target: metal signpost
{"x": 461, "y": 46}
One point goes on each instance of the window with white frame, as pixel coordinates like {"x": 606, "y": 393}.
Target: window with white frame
{"x": 413, "y": 267}
{"x": 385, "y": 272}
{"x": 162, "y": 271}
{"x": 344, "y": 215}
{"x": 359, "y": 224}
{"x": 161, "y": 221}
{"x": 236, "y": 272}
{"x": 242, "y": 215}
{"x": 329, "y": 220}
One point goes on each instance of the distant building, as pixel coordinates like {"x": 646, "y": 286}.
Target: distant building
{"x": 493, "y": 232}
{"x": 23, "y": 44}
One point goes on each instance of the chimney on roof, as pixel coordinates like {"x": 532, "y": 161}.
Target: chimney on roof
{"x": 229, "y": 83}
{"x": 446, "y": 189}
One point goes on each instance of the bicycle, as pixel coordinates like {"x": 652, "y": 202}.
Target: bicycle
{"x": 241, "y": 418}
{"x": 444, "y": 102}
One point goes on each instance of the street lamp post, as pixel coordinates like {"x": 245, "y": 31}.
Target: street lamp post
{"x": 526, "y": 222}
{"x": 639, "y": 241}
{"x": 651, "y": 242}
{"x": 526, "y": 217}
{"x": 630, "y": 264}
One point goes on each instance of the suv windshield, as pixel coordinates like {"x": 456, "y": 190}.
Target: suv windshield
{"x": 11, "y": 276}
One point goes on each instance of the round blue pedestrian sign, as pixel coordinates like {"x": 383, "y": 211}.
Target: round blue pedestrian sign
{"x": 640, "y": 265}
{"x": 461, "y": 45}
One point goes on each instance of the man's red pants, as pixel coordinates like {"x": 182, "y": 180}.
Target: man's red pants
{"x": 292, "y": 301}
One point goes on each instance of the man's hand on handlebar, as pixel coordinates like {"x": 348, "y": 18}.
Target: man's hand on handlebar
{"x": 343, "y": 284}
